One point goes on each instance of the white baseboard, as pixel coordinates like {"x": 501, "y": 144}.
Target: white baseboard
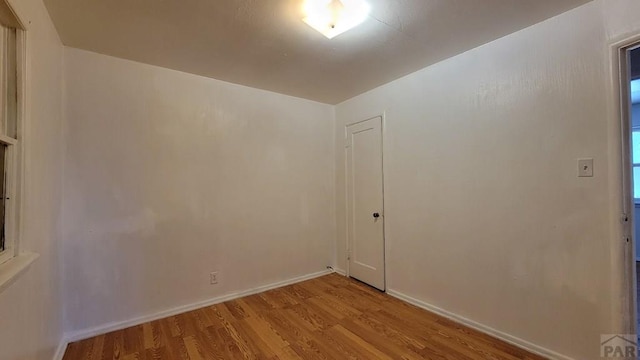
{"x": 62, "y": 347}
{"x": 119, "y": 325}
{"x": 523, "y": 344}
{"x": 340, "y": 272}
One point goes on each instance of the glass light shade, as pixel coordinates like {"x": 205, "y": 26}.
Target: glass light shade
{"x": 333, "y": 17}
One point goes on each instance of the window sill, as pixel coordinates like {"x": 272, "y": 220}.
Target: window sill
{"x": 12, "y": 269}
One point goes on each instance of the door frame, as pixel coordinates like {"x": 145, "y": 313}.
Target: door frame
{"x": 623, "y": 247}
{"x": 382, "y": 117}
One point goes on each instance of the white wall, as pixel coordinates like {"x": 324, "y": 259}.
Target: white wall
{"x": 485, "y": 216}
{"x": 30, "y": 308}
{"x": 171, "y": 176}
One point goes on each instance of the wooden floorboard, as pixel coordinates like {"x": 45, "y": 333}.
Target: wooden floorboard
{"x": 331, "y": 317}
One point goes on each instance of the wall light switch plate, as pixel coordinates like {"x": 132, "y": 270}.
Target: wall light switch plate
{"x": 585, "y": 167}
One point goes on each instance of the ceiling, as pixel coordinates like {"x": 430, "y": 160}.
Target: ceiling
{"x": 264, "y": 44}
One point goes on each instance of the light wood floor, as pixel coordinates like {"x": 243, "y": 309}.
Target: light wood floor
{"x": 331, "y": 317}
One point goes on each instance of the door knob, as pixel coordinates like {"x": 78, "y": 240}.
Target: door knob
{"x": 376, "y": 215}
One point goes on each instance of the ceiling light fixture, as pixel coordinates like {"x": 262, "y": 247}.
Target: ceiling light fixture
{"x": 333, "y": 17}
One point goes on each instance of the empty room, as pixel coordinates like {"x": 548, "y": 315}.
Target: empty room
{"x": 319, "y": 179}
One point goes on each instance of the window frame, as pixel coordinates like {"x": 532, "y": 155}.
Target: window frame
{"x": 14, "y": 162}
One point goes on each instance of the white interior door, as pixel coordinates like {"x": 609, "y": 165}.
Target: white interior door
{"x": 365, "y": 202}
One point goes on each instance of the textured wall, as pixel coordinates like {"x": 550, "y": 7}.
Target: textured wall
{"x": 171, "y": 176}
{"x": 485, "y": 216}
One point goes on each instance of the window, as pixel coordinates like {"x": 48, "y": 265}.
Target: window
{"x": 635, "y": 158}
{"x": 635, "y": 135}
{"x": 9, "y": 142}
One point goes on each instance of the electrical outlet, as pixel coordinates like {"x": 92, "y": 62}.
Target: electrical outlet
{"x": 214, "y": 277}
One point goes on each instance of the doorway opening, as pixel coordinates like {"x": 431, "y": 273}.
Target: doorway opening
{"x": 626, "y": 73}
{"x": 633, "y": 98}
{"x": 624, "y": 68}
